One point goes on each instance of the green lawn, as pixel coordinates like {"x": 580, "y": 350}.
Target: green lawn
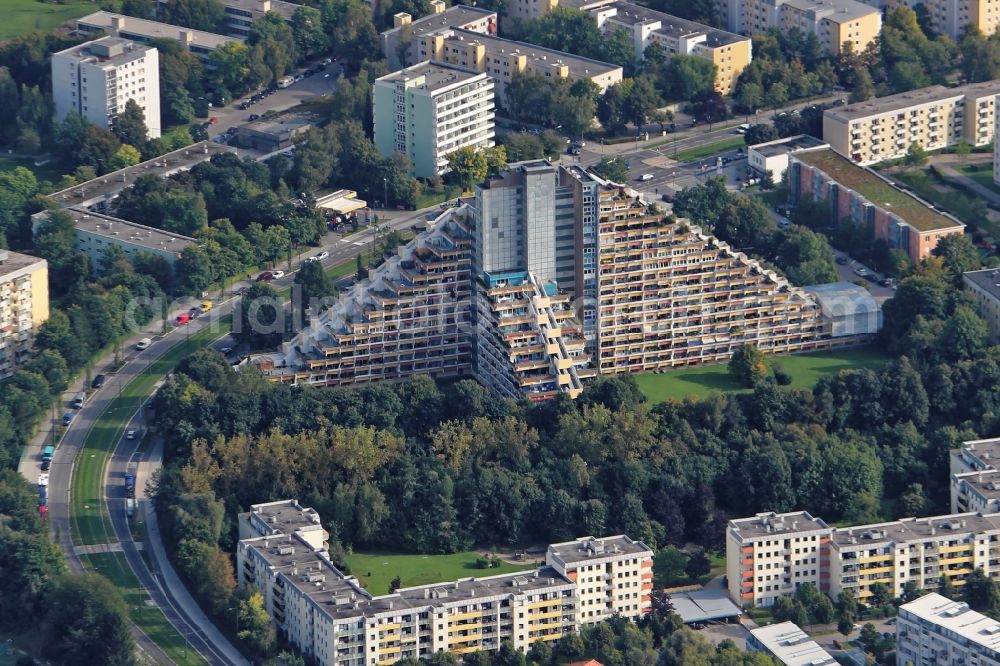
{"x": 24, "y": 16}
{"x": 805, "y": 369}
{"x": 50, "y": 171}
{"x": 710, "y": 149}
{"x": 981, "y": 173}
{"x": 377, "y": 570}
{"x": 429, "y": 196}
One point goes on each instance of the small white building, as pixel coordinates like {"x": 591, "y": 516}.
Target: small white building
{"x": 787, "y": 643}
{"x": 96, "y": 79}
{"x": 935, "y": 630}
{"x": 430, "y": 110}
{"x": 773, "y": 155}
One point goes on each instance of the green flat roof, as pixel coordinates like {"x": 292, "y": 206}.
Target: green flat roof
{"x": 866, "y": 183}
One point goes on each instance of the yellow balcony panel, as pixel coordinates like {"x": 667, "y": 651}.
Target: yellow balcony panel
{"x": 958, "y": 559}
{"x": 463, "y": 650}
{"x": 545, "y": 615}
{"x": 954, "y": 549}
{"x": 389, "y": 627}
{"x": 874, "y": 559}
{"x": 876, "y": 570}
{"x": 390, "y": 650}
{"x": 545, "y": 625}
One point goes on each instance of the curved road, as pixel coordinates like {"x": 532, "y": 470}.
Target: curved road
{"x": 172, "y": 598}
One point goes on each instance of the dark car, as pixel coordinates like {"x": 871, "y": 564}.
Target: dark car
{"x": 266, "y": 276}
{"x": 886, "y": 282}
{"x": 244, "y": 106}
{"x": 46, "y": 464}
{"x": 842, "y": 260}
{"x": 98, "y": 381}
{"x": 253, "y": 116}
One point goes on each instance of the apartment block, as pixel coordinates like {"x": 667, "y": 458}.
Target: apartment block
{"x": 936, "y": 117}
{"x": 145, "y": 31}
{"x": 331, "y": 618}
{"x": 975, "y": 481}
{"x": 96, "y": 79}
{"x": 24, "y": 306}
{"x": 729, "y": 52}
{"x": 768, "y": 556}
{"x": 241, "y": 14}
{"x": 935, "y": 630}
{"x": 862, "y": 197}
{"x": 787, "y": 643}
{"x": 549, "y": 276}
{"x": 413, "y": 315}
{"x": 951, "y": 17}
{"x": 429, "y": 111}
{"x": 670, "y": 295}
{"x": 984, "y": 286}
{"x": 772, "y": 156}
{"x": 834, "y": 22}
{"x": 400, "y": 42}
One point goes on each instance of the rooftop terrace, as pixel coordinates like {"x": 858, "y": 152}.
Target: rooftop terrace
{"x": 877, "y": 190}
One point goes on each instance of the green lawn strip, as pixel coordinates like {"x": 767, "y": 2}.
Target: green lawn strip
{"x": 49, "y": 171}
{"x": 376, "y": 570}
{"x": 24, "y": 16}
{"x": 87, "y": 517}
{"x": 982, "y": 174}
{"x": 805, "y": 369}
{"x": 146, "y": 616}
{"x": 710, "y": 149}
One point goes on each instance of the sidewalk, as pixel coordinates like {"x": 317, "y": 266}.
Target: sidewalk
{"x": 163, "y": 572}
{"x": 951, "y": 173}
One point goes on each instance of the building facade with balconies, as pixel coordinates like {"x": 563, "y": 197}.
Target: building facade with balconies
{"x": 935, "y": 630}
{"x": 937, "y": 117}
{"x": 331, "y": 618}
{"x": 96, "y": 79}
{"x": 429, "y": 111}
{"x": 24, "y": 306}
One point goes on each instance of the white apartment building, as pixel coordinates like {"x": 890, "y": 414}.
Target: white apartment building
{"x": 430, "y": 110}
{"x": 772, "y": 156}
{"x": 787, "y": 643}
{"x": 770, "y": 555}
{"x": 935, "y": 117}
{"x": 834, "y": 22}
{"x": 97, "y": 78}
{"x": 144, "y": 31}
{"x": 975, "y": 481}
{"x": 935, "y": 630}
{"x": 24, "y": 306}
{"x": 331, "y": 618}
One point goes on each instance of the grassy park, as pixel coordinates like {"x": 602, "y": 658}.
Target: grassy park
{"x": 377, "y": 570}
{"x": 805, "y": 369}
{"x": 24, "y": 16}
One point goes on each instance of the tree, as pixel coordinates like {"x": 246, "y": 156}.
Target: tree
{"x": 125, "y": 156}
{"x": 613, "y": 169}
{"x": 307, "y": 27}
{"x": 314, "y": 283}
{"x": 613, "y": 107}
{"x": 208, "y": 15}
{"x": 87, "y": 623}
{"x": 130, "y": 126}
{"x": 195, "y": 270}
{"x": 747, "y": 365}
{"x": 642, "y": 100}
{"x": 760, "y": 134}
{"x": 669, "y": 566}
{"x": 688, "y": 78}
{"x": 959, "y": 255}
{"x": 980, "y": 592}
{"x": 261, "y": 324}
{"x": 863, "y": 88}
{"x": 915, "y": 155}
{"x": 255, "y": 624}
{"x": 468, "y": 166}
{"x": 913, "y": 502}
{"x": 699, "y": 565}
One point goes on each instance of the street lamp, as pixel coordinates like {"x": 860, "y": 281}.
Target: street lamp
{"x": 385, "y": 192}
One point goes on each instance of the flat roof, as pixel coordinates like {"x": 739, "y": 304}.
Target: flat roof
{"x": 833, "y": 296}
{"x": 341, "y": 201}
{"x": 286, "y": 9}
{"x": 877, "y": 190}
{"x": 281, "y": 124}
{"x": 958, "y": 618}
{"x": 775, "y": 524}
{"x": 904, "y": 100}
{"x": 787, "y": 145}
{"x": 907, "y": 530}
{"x": 988, "y": 280}
{"x": 11, "y": 262}
{"x": 983, "y": 451}
{"x": 154, "y": 29}
{"x": 110, "y": 184}
{"x": 792, "y": 646}
{"x": 577, "y": 64}
{"x": 593, "y": 548}
{"x": 704, "y": 605}
{"x": 284, "y": 516}
{"x": 436, "y": 76}
{"x": 107, "y": 50}
{"x": 985, "y": 483}
{"x": 124, "y": 231}
{"x": 453, "y": 17}
{"x": 837, "y": 11}
{"x": 673, "y": 26}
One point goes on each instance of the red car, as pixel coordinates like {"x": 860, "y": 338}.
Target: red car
{"x": 266, "y": 276}
{"x": 213, "y": 120}
{"x": 183, "y": 319}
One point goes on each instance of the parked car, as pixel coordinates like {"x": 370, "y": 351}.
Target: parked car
{"x": 214, "y": 120}
{"x": 278, "y": 274}
{"x": 98, "y": 381}
{"x": 887, "y": 282}
{"x": 253, "y": 116}
{"x": 46, "y": 464}
{"x": 842, "y": 259}
{"x": 646, "y": 176}
{"x": 322, "y": 255}
{"x": 861, "y": 272}
{"x": 182, "y": 319}
{"x": 68, "y": 418}
{"x": 143, "y": 344}
{"x": 226, "y": 351}
{"x": 266, "y": 276}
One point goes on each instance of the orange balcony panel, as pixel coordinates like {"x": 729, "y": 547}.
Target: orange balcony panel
{"x": 747, "y": 595}
{"x": 747, "y": 550}
{"x": 747, "y": 561}
{"x": 647, "y": 576}
{"x": 647, "y": 586}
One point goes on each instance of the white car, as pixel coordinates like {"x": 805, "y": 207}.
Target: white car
{"x": 143, "y": 344}
{"x": 130, "y": 434}
{"x": 278, "y": 274}
{"x": 861, "y": 272}
{"x": 43, "y": 479}
{"x": 322, "y": 255}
